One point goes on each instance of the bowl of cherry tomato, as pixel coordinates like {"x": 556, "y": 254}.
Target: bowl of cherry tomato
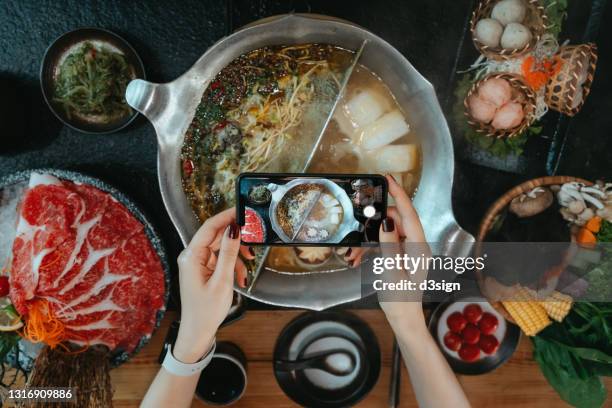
{"x": 473, "y": 336}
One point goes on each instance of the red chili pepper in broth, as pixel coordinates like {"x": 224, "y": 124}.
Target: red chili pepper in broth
{"x": 188, "y": 167}
{"x": 217, "y": 85}
{"x": 220, "y": 125}
{"x": 218, "y": 90}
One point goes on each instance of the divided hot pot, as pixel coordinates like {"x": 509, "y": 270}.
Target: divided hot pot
{"x": 171, "y": 107}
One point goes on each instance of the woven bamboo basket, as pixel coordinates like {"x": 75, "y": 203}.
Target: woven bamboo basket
{"x": 563, "y": 91}
{"x": 498, "y": 207}
{"x": 535, "y": 20}
{"x": 518, "y": 86}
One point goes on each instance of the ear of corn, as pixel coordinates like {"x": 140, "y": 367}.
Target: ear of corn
{"x": 527, "y": 313}
{"x": 557, "y": 305}
{"x": 530, "y": 316}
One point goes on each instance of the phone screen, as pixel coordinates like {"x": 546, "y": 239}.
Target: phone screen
{"x": 310, "y": 209}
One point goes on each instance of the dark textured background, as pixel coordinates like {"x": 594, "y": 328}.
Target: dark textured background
{"x": 171, "y": 35}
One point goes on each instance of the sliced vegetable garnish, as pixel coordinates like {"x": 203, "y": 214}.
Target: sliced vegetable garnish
{"x": 9, "y": 318}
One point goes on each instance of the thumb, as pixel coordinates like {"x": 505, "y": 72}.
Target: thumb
{"x": 228, "y": 254}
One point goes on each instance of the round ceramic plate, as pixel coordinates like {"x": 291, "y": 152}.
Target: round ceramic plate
{"x": 54, "y": 55}
{"x": 18, "y": 181}
{"x": 508, "y": 335}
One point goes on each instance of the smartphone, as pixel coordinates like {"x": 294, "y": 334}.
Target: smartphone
{"x": 310, "y": 209}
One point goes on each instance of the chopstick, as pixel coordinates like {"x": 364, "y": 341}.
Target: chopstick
{"x": 396, "y": 372}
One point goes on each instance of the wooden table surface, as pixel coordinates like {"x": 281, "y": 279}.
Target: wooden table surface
{"x": 518, "y": 382}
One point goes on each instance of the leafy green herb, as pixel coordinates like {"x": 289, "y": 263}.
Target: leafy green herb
{"x": 8, "y": 340}
{"x": 556, "y": 14}
{"x": 600, "y": 277}
{"x": 574, "y": 353}
{"x": 605, "y": 232}
{"x": 92, "y": 82}
{"x": 572, "y": 381}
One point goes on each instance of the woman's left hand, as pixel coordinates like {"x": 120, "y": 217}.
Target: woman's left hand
{"x": 206, "y": 277}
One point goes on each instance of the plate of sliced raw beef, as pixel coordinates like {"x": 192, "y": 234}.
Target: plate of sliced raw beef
{"x": 88, "y": 254}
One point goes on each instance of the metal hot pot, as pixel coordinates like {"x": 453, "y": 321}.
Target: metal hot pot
{"x": 348, "y": 224}
{"x": 170, "y": 107}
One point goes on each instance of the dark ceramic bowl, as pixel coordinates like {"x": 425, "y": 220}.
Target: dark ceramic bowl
{"x": 342, "y": 325}
{"x": 53, "y": 56}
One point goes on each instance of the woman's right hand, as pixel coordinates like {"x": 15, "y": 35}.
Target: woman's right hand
{"x": 402, "y": 225}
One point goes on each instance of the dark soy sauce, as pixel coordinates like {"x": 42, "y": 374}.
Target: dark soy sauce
{"x": 221, "y": 382}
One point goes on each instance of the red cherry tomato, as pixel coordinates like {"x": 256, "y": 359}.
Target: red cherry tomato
{"x": 452, "y": 341}
{"x": 488, "y": 344}
{"x": 4, "y": 286}
{"x": 469, "y": 352}
{"x": 488, "y": 323}
{"x": 472, "y": 313}
{"x": 470, "y": 334}
{"x": 456, "y": 322}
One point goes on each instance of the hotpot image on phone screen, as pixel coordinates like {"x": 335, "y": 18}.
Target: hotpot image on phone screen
{"x": 310, "y": 209}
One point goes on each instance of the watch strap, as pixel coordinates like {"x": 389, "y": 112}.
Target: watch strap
{"x": 176, "y": 367}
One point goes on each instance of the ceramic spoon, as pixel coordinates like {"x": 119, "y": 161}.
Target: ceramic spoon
{"x": 344, "y": 363}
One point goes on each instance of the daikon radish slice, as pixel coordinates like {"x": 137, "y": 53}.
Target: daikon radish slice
{"x": 344, "y": 124}
{"x": 364, "y": 108}
{"x": 384, "y": 130}
{"x": 395, "y": 158}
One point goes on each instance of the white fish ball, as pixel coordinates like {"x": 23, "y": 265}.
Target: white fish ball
{"x": 515, "y": 36}
{"x": 488, "y": 31}
{"x": 480, "y": 109}
{"x": 508, "y": 116}
{"x": 395, "y": 158}
{"x": 496, "y": 91}
{"x": 509, "y": 11}
{"x": 385, "y": 130}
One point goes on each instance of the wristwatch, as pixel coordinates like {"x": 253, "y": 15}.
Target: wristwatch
{"x": 176, "y": 367}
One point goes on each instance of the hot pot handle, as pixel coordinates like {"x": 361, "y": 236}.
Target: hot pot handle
{"x": 140, "y": 95}
{"x": 155, "y": 102}
{"x": 454, "y": 241}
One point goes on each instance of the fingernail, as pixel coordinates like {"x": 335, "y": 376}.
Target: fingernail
{"x": 244, "y": 282}
{"x": 348, "y": 253}
{"x": 234, "y": 230}
{"x": 391, "y": 175}
{"x": 251, "y": 251}
{"x": 388, "y": 224}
